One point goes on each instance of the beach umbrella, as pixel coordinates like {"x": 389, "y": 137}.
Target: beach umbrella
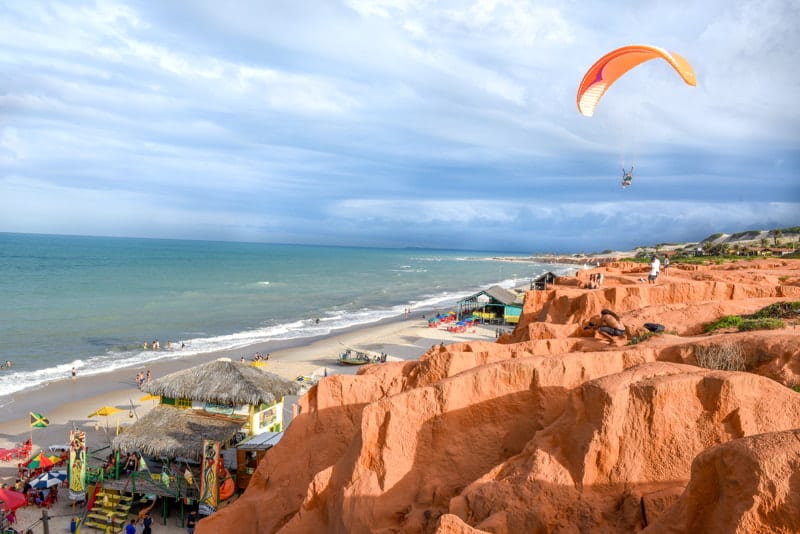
{"x": 105, "y": 411}
{"x": 11, "y": 500}
{"x": 41, "y": 460}
{"x": 49, "y": 479}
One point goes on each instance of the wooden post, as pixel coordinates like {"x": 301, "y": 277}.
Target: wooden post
{"x": 45, "y": 521}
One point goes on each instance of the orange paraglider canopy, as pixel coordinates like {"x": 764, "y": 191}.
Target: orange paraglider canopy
{"x": 610, "y": 67}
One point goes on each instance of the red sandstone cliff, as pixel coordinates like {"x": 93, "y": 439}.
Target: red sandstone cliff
{"x": 552, "y": 430}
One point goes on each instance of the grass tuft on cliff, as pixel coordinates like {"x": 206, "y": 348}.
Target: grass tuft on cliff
{"x": 767, "y": 323}
{"x": 639, "y": 338}
{"x": 767, "y": 318}
{"x": 720, "y": 357}
{"x": 729, "y": 321}
{"x": 778, "y": 310}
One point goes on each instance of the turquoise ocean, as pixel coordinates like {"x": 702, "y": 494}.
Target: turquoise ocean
{"x": 91, "y": 302}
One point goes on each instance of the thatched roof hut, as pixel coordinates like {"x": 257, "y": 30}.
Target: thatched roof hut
{"x": 169, "y": 432}
{"x": 224, "y": 382}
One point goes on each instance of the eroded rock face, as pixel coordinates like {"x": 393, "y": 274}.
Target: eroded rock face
{"x": 552, "y": 430}
{"x": 745, "y": 485}
{"x": 621, "y": 438}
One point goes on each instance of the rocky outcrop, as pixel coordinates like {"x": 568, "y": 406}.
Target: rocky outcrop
{"x": 748, "y": 485}
{"x": 551, "y": 429}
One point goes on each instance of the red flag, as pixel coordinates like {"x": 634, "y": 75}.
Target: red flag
{"x": 93, "y": 496}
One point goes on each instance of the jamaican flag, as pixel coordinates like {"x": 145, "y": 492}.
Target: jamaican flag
{"x": 38, "y": 420}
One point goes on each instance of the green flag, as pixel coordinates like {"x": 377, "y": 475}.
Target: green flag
{"x": 38, "y": 420}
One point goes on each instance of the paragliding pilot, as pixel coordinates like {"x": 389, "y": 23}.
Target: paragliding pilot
{"x": 627, "y": 177}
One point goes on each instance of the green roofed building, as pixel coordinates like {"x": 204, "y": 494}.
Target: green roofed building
{"x": 496, "y": 305}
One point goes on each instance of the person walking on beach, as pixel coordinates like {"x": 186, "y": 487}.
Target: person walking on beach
{"x": 74, "y": 372}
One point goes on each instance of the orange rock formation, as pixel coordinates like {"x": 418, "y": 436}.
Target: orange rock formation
{"x": 552, "y": 430}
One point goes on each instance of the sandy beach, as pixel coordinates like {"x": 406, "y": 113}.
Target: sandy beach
{"x": 68, "y": 402}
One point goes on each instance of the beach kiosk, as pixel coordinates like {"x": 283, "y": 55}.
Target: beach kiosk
{"x": 496, "y": 305}
{"x": 250, "y": 452}
{"x": 541, "y": 283}
{"x": 220, "y": 403}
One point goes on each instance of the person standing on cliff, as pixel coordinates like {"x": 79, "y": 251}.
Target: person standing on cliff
{"x": 655, "y": 266}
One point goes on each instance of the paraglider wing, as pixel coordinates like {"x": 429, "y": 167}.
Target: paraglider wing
{"x": 610, "y": 67}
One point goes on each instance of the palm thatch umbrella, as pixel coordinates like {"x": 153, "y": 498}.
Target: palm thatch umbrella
{"x": 169, "y": 432}
{"x": 224, "y": 382}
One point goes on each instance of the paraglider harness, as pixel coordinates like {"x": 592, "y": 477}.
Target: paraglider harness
{"x": 627, "y": 177}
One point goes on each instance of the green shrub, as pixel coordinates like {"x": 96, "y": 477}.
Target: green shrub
{"x": 767, "y": 323}
{"x": 720, "y": 357}
{"x": 729, "y": 321}
{"x": 640, "y": 338}
{"x": 796, "y": 388}
{"x": 777, "y": 310}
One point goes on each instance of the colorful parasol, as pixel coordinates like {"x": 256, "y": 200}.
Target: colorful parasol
{"x": 11, "y": 500}
{"x": 105, "y": 411}
{"x": 49, "y": 479}
{"x": 41, "y": 461}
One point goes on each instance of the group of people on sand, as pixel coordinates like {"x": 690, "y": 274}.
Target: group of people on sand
{"x": 595, "y": 281}
{"x": 257, "y": 357}
{"x": 39, "y": 496}
{"x": 146, "y": 522}
{"x": 142, "y": 377}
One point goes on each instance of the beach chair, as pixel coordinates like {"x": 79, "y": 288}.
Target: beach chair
{"x": 22, "y": 451}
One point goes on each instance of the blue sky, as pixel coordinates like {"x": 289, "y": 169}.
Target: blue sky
{"x": 396, "y": 122}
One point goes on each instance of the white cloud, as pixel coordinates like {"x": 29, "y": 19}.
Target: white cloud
{"x": 383, "y": 8}
{"x": 424, "y": 211}
{"x": 10, "y": 144}
{"x": 522, "y": 22}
